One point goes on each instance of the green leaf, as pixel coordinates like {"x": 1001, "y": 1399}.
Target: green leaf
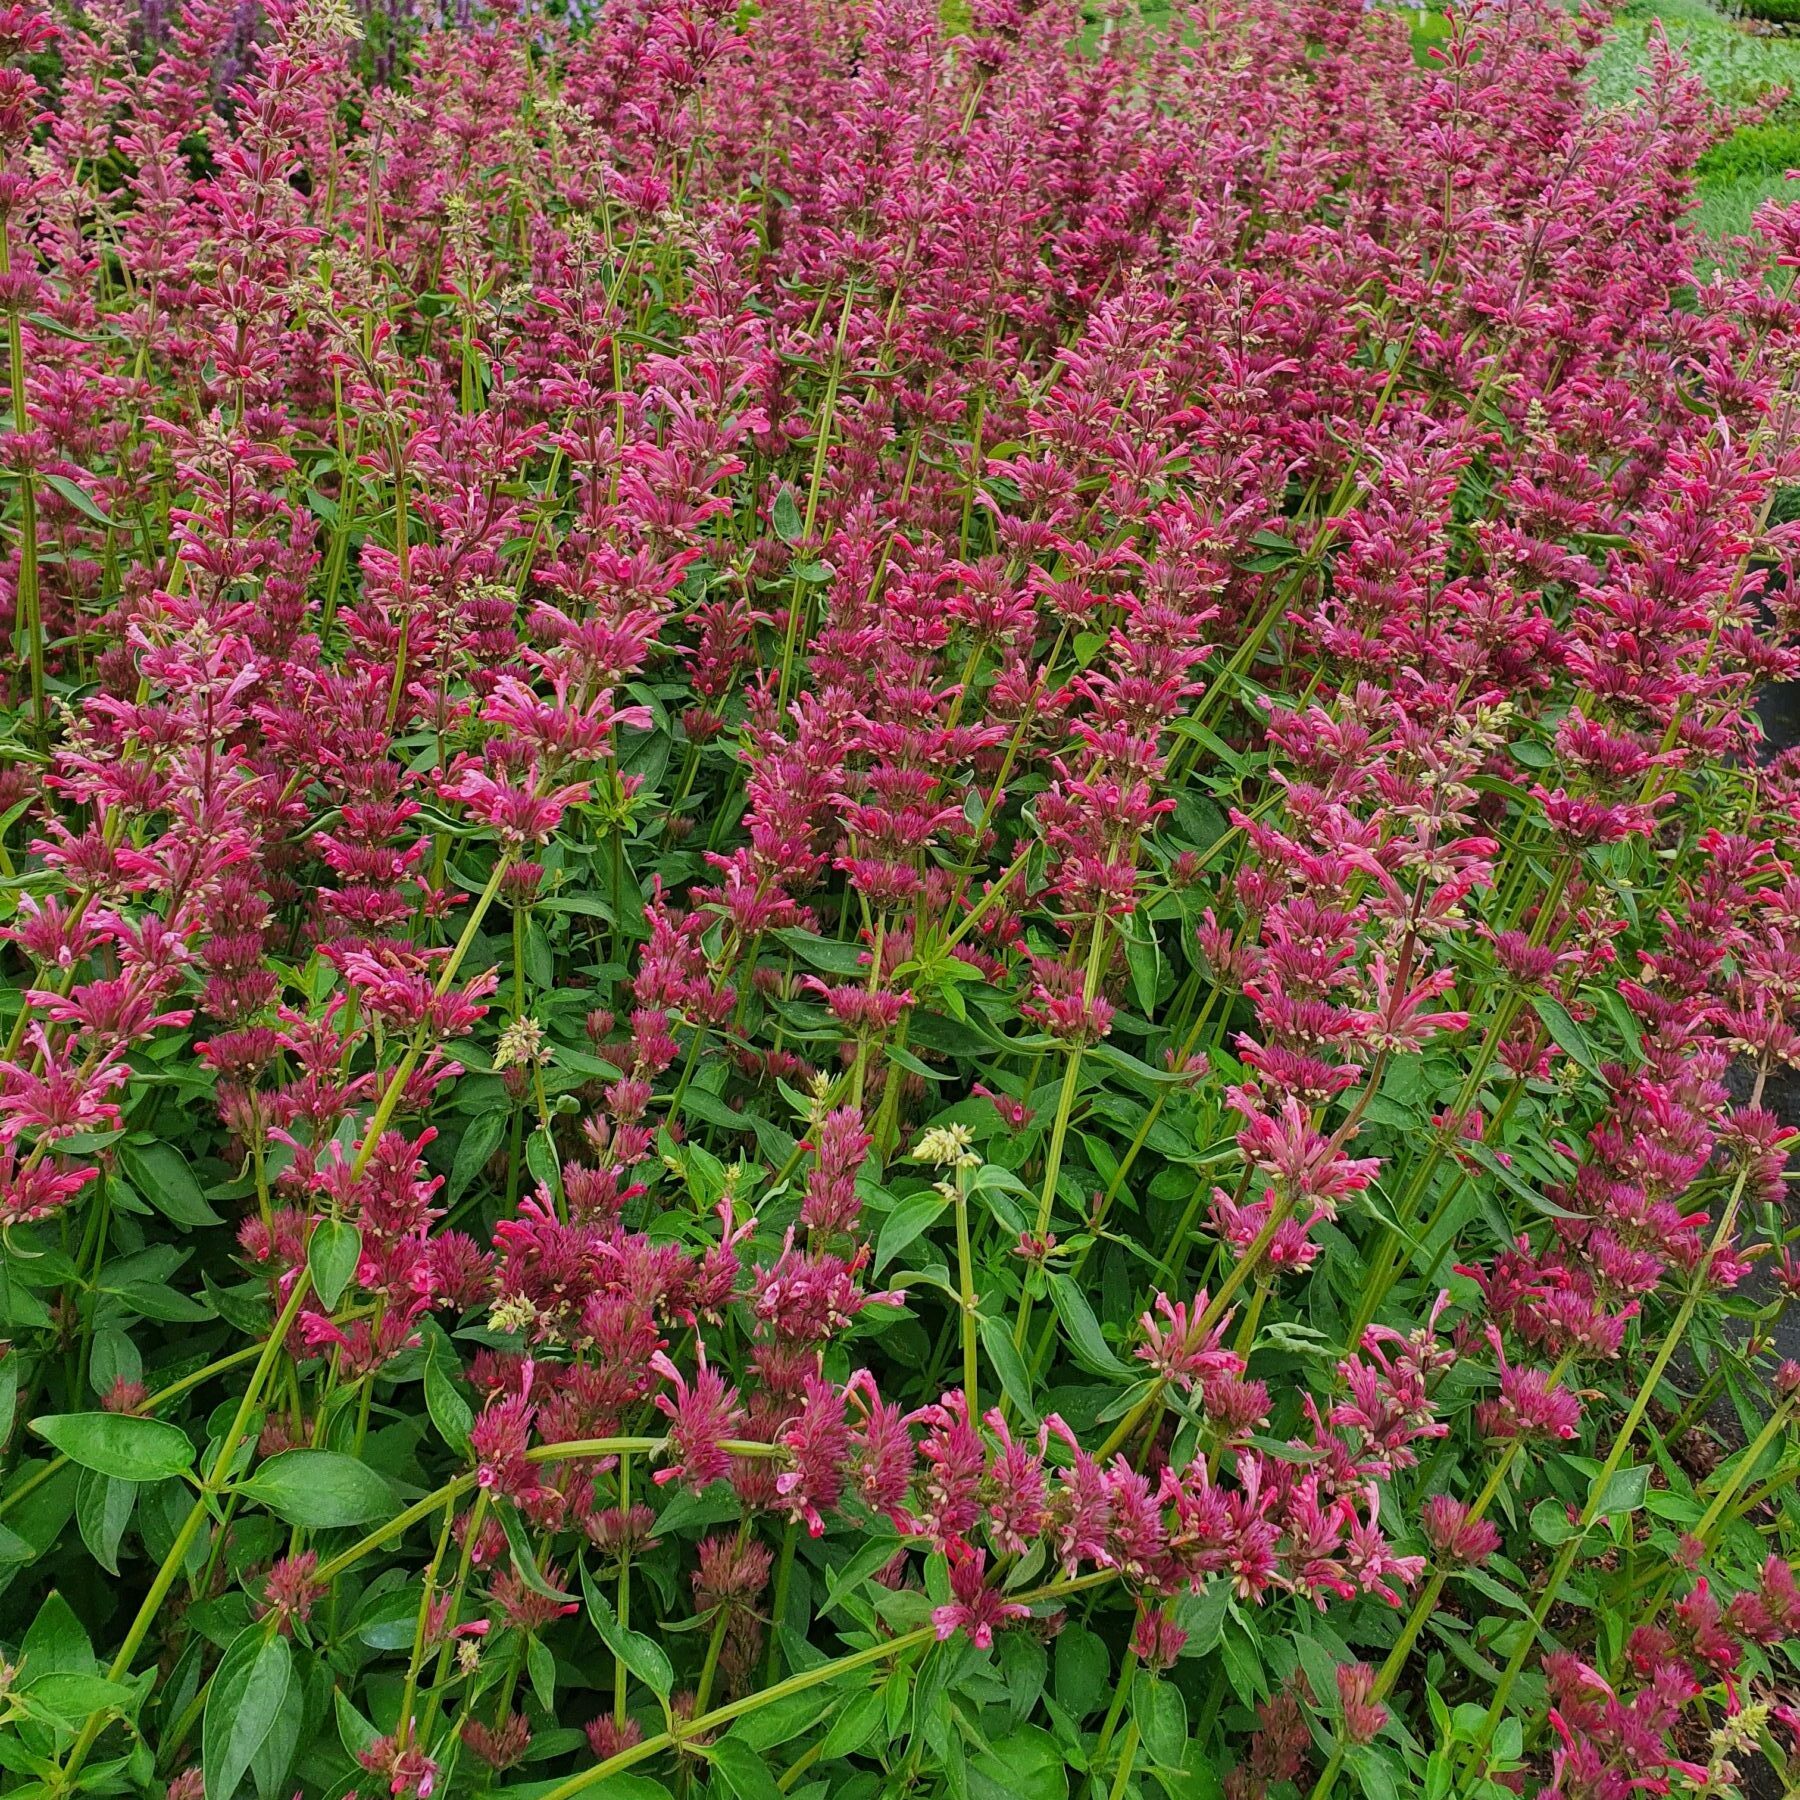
{"x": 1025, "y": 1664}
{"x": 275, "y": 1755}
{"x": 540, "y": 1665}
{"x": 242, "y": 1707}
{"x": 9, "y": 1393}
{"x": 332, "y": 1254}
{"x": 746, "y": 1773}
{"x": 1199, "y": 1778}
{"x": 525, "y": 1563}
{"x": 1512, "y": 1180}
{"x": 1373, "y": 1772}
{"x": 1143, "y": 960}
{"x": 782, "y": 1720}
{"x": 1083, "y": 1670}
{"x": 157, "y": 1300}
{"x": 1619, "y": 1010}
{"x": 822, "y": 952}
{"x": 641, "y": 1655}
{"x": 784, "y": 515}
{"x": 846, "y": 1580}
{"x": 541, "y": 1160}
{"x": 1568, "y": 1036}
{"x": 1320, "y": 1667}
{"x": 56, "y": 1642}
{"x": 1092, "y": 1350}
{"x": 1625, "y": 1491}
{"x": 1161, "y": 1716}
{"x": 354, "y": 1731}
{"x": 450, "y": 1412}
{"x": 1243, "y": 1663}
{"x": 854, "y": 1726}
{"x": 628, "y": 1784}
{"x": 319, "y": 1489}
{"x": 996, "y": 1340}
{"x": 103, "y": 1506}
{"x": 479, "y": 1142}
{"x": 915, "y": 1214}
{"x": 120, "y": 1444}
{"x": 1551, "y": 1524}
{"x": 84, "y": 503}
{"x": 1202, "y": 1616}
{"x": 389, "y": 1621}
{"x": 161, "y": 1174}
{"x": 1026, "y": 1764}
{"x": 74, "y": 1698}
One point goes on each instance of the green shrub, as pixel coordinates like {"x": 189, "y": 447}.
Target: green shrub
{"x": 1736, "y": 65}
{"x": 1769, "y": 149}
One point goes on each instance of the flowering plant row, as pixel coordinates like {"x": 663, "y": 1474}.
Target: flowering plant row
{"x": 888, "y": 911}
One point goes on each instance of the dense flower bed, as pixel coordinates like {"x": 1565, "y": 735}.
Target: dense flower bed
{"x": 888, "y": 910}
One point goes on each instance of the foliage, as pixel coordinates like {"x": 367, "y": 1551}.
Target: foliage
{"x": 1761, "y": 150}
{"x": 887, "y": 909}
{"x": 1738, "y": 66}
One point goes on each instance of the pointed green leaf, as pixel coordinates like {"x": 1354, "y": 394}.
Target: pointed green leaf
{"x": 242, "y": 1707}
{"x": 450, "y": 1412}
{"x": 320, "y": 1489}
{"x": 332, "y": 1254}
{"x": 83, "y": 502}
{"x": 103, "y": 1507}
{"x": 1569, "y": 1036}
{"x": 161, "y": 1174}
{"x": 641, "y": 1655}
{"x": 120, "y": 1444}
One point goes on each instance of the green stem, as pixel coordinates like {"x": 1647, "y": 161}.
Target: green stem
{"x": 1596, "y": 1500}
{"x": 1127, "y": 1755}
{"x": 1425, "y": 1603}
{"x": 784, "y": 1575}
{"x": 706, "y": 1724}
{"x": 1241, "y": 1271}
{"x": 1059, "y": 1129}
{"x": 390, "y": 1099}
{"x": 397, "y": 1526}
{"x": 198, "y": 1514}
{"x": 1121, "y": 1693}
{"x": 422, "y": 1624}
{"x": 827, "y": 418}
{"x": 965, "y": 1274}
{"x": 1777, "y": 1423}
{"x": 624, "y": 1602}
{"x": 30, "y": 620}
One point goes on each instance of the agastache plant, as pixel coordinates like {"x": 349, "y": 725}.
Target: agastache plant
{"x": 890, "y": 906}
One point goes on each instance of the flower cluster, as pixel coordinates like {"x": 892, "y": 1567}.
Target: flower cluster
{"x": 889, "y": 898}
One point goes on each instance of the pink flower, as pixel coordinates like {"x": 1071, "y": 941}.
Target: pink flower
{"x": 1363, "y": 1715}
{"x": 1178, "y": 1351}
{"x": 975, "y": 1609}
{"x": 1453, "y": 1535}
{"x": 519, "y": 814}
{"x": 1157, "y": 1640}
{"x": 819, "y": 1443}
{"x": 701, "y": 1414}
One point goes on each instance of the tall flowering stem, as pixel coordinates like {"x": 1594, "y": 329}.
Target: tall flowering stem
{"x": 881, "y": 889}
